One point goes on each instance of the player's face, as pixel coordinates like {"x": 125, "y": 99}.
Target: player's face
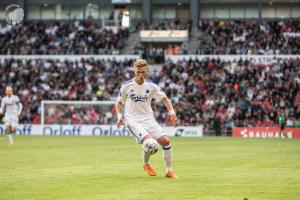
{"x": 140, "y": 74}
{"x": 8, "y": 91}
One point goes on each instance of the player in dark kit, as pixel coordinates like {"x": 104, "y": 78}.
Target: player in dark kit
{"x": 282, "y": 125}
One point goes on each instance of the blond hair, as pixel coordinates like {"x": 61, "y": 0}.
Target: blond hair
{"x": 140, "y": 63}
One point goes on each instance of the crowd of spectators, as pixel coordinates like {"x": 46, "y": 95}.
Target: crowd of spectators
{"x": 234, "y": 92}
{"x": 216, "y": 37}
{"x": 267, "y": 37}
{"x": 85, "y": 79}
{"x": 249, "y": 37}
{"x": 59, "y": 37}
{"x": 238, "y": 92}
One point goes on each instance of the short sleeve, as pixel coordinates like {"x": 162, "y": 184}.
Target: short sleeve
{"x": 157, "y": 93}
{"x": 122, "y": 94}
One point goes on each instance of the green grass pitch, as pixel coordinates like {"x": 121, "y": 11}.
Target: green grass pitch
{"x": 96, "y": 168}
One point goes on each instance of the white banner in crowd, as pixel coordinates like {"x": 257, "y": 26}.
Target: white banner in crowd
{"x": 291, "y": 34}
{"x": 258, "y": 59}
{"x": 164, "y": 35}
{"x": 98, "y": 130}
{"x": 71, "y": 57}
{"x": 120, "y": 1}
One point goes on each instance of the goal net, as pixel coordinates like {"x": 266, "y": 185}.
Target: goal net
{"x": 77, "y": 112}
{"x": 81, "y": 113}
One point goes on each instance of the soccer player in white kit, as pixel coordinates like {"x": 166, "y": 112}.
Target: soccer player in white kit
{"x": 136, "y": 96}
{"x": 11, "y": 107}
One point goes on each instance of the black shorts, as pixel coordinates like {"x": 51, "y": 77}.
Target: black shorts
{"x": 282, "y": 126}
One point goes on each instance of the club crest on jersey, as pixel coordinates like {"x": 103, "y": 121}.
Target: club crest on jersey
{"x": 136, "y": 98}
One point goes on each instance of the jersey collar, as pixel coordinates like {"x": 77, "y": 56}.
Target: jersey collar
{"x": 139, "y": 84}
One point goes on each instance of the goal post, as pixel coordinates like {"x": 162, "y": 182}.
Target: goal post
{"x": 60, "y": 112}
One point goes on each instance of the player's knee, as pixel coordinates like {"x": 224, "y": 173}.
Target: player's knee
{"x": 168, "y": 142}
{"x": 165, "y": 142}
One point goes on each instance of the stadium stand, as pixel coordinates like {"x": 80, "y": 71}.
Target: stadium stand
{"x": 86, "y": 79}
{"x": 249, "y": 37}
{"x": 59, "y": 37}
{"x": 235, "y": 92}
{"x": 238, "y": 92}
{"x": 230, "y": 36}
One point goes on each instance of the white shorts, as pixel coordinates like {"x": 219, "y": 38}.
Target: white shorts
{"x": 13, "y": 122}
{"x": 141, "y": 129}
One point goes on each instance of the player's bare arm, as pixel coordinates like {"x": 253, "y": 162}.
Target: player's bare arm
{"x": 119, "y": 106}
{"x": 20, "y": 108}
{"x": 169, "y": 106}
{"x": 2, "y": 108}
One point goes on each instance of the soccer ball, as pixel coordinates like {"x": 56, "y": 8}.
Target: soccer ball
{"x": 150, "y": 146}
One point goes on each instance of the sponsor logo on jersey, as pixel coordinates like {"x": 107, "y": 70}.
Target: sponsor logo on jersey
{"x": 137, "y": 98}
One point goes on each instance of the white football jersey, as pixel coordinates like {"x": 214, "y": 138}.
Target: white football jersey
{"x": 12, "y": 106}
{"x": 137, "y": 99}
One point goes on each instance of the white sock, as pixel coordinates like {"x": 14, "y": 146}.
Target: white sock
{"x": 10, "y": 139}
{"x": 167, "y": 156}
{"x": 146, "y": 157}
